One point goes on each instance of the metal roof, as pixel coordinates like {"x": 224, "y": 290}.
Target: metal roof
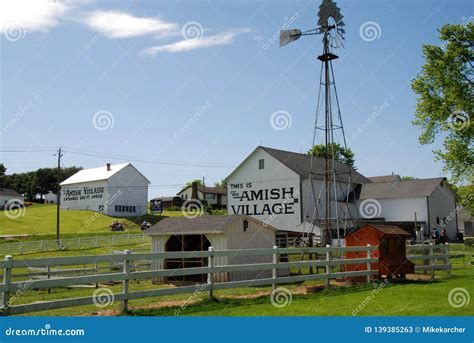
{"x": 199, "y": 225}
{"x": 400, "y": 189}
{"x": 300, "y": 163}
{"x": 96, "y": 174}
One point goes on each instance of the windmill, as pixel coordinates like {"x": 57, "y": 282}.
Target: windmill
{"x": 335, "y": 214}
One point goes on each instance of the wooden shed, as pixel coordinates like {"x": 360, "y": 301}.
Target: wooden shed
{"x": 391, "y": 252}
{"x": 222, "y": 233}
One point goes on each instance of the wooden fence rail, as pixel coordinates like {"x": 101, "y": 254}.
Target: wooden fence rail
{"x": 9, "y": 287}
{"x": 19, "y": 248}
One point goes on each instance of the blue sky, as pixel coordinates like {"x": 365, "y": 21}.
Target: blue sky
{"x": 199, "y": 81}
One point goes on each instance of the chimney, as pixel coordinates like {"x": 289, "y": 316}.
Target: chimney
{"x": 108, "y": 166}
{"x": 194, "y": 187}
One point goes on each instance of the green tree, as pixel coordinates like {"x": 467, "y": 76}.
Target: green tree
{"x": 445, "y": 99}
{"x": 199, "y": 182}
{"x": 221, "y": 184}
{"x": 408, "y": 178}
{"x": 341, "y": 154}
{"x": 466, "y": 197}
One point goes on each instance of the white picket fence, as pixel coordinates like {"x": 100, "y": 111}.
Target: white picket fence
{"x": 19, "y": 248}
{"x": 333, "y": 257}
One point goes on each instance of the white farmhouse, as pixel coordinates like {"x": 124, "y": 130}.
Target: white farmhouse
{"x": 274, "y": 186}
{"x": 115, "y": 190}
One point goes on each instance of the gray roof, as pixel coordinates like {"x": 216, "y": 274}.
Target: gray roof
{"x": 385, "y": 178}
{"x": 300, "y": 163}
{"x": 198, "y": 225}
{"x": 400, "y": 189}
{"x": 208, "y": 190}
{"x": 9, "y": 192}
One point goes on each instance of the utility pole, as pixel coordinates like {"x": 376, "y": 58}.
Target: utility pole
{"x": 58, "y": 208}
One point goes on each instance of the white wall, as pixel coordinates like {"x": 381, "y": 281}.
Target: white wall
{"x": 75, "y": 197}
{"x": 248, "y": 182}
{"x": 320, "y": 193}
{"x": 7, "y": 198}
{"x": 442, "y": 205}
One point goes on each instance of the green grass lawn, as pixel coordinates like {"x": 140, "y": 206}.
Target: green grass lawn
{"x": 40, "y": 219}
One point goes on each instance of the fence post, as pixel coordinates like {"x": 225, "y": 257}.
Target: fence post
{"x": 432, "y": 261}
{"x": 7, "y": 278}
{"x": 96, "y": 267}
{"x": 369, "y": 265}
{"x": 126, "y": 270}
{"x": 210, "y": 276}
{"x": 328, "y": 269}
{"x": 275, "y": 267}
{"x": 48, "y": 276}
{"x": 448, "y": 263}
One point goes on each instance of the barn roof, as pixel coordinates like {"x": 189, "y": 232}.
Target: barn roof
{"x": 385, "y": 178}
{"x": 198, "y": 225}
{"x": 388, "y": 229}
{"x": 400, "y": 189}
{"x": 96, "y": 174}
{"x": 300, "y": 163}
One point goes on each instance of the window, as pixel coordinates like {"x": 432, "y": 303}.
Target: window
{"x": 116, "y": 208}
{"x": 261, "y": 164}
{"x": 133, "y": 208}
{"x": 437, "y": 220}
{"x": 246, "y": 225}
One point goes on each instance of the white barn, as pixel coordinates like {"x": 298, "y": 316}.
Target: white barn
{"x": 273, "y": 186}
{"x": 115, "y": 190}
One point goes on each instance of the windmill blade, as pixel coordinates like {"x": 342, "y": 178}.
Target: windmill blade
{"x": 288, "y": 36}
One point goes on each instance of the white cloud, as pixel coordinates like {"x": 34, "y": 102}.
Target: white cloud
{"x": 118, "y": 24}
{"x": 32, "y": 15}
{"x": 224, "y": 38}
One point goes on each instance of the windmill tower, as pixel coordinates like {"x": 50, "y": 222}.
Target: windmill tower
{"x": 332, "y": 212}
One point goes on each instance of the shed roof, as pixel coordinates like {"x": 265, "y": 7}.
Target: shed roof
{"x": 400, "y": 189}
{"x": 300, "y": 163}
{"x": 387, "y": 229}
{"x": 198, "y": 225}
{"x": 96, "y": 174}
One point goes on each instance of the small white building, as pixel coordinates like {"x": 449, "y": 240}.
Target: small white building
{"x": 274, "y": 186}
{"x": 50, "y": 198}
{"x": 216, "y": 196}
{"x": 465, "y": 220}
{"x": 115, "y": 190}
{"x": 220, "y": 232}
{"x": 9, "y": 198}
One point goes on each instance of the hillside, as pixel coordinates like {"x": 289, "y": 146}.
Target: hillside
{"x": 40, "y": 219}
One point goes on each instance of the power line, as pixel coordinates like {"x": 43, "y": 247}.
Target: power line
{"x": 116, "y": 157}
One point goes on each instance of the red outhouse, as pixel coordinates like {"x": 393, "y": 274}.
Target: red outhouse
{"x": 391, "y": 252}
